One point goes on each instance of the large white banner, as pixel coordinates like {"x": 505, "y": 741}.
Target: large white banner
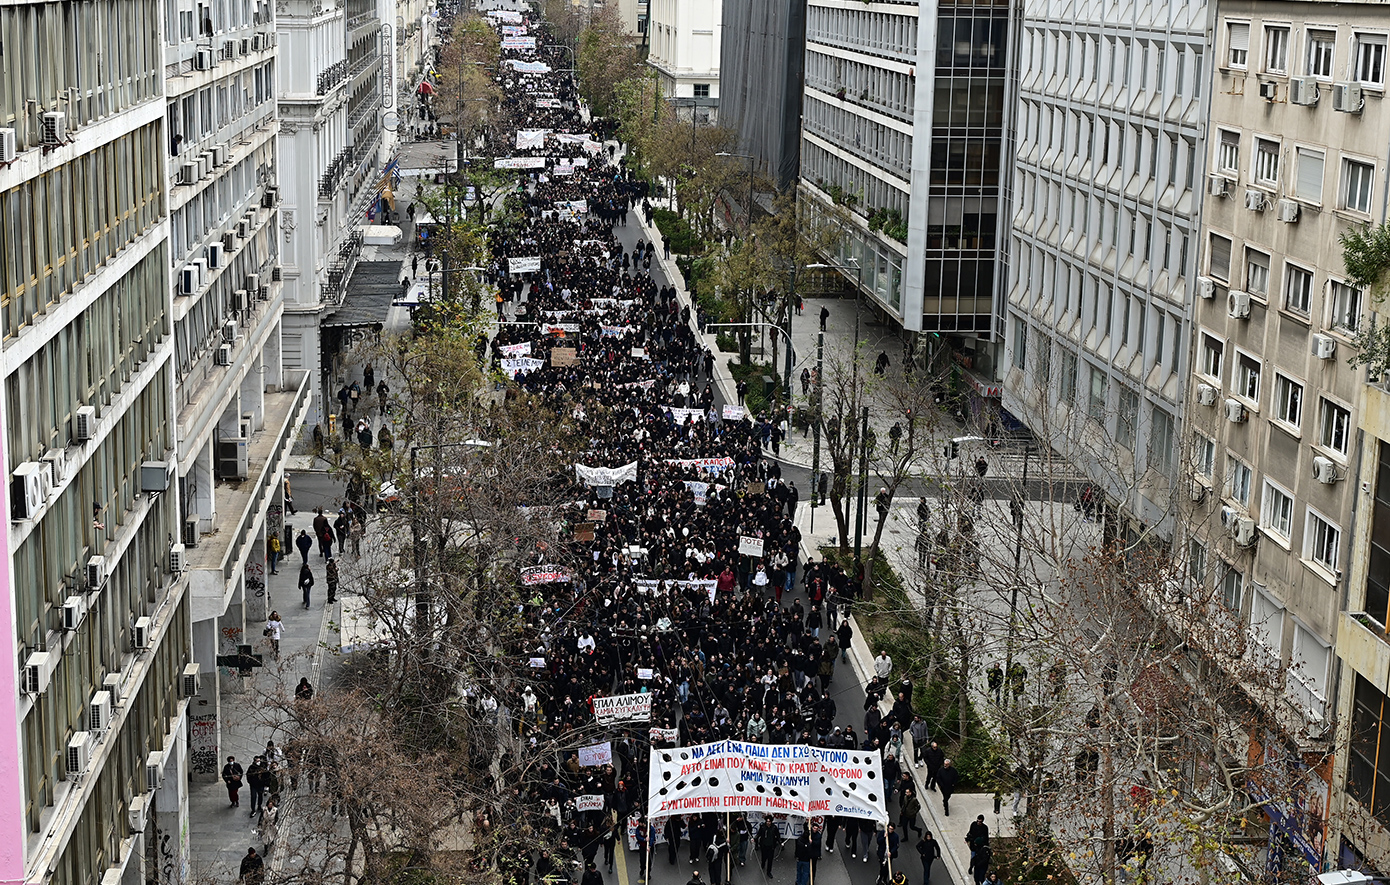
{"x": 515, "y": 350}
{"x": 505, "y": 15}
{"x": 713, "y": 465}
{"x": 519, "y": 163}
{"x": 527, "y": 67}
{"x": 519, "y": 43}
{"x": 623, "y": 708}
{"x": 606, "y": 476}
{"x": 521, "y": 364}
{"x": 530, "y": 138}
{"x": 524, "y": 264}
{"x": 772, "y": 778}
{"x": 684, "y": 415}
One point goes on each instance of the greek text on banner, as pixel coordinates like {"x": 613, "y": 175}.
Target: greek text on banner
{"x": 776, "y": 778}
{"x": 623, "y": 708}
{"x": 525, "y": 264}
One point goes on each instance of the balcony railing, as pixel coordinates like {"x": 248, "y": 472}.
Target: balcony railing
{"x": 332, "y": 76}
{"x": 335, "y": 173}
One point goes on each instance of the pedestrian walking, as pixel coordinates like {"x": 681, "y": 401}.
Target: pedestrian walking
{"x": 946, "y": 780}
{"x": 306, "y": 582}
{"x": 274, "y": 629}
{"x": 252, "y": 868}
{"x": 934, "y": 757}
{"x": 304, "y": 691}
{"x": 305, "y": 544}
{"x": 768, "y": 840}
{"x": 330, "y": 579}
{"x": 255, "y": 779}
{"x": 231, "y": 776}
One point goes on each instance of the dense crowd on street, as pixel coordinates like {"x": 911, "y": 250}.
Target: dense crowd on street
{"x": 658, "y": 598}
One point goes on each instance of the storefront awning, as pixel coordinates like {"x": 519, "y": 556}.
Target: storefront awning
{"x": 370, "y": 291}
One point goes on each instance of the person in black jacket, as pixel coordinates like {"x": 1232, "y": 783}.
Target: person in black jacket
{"x": 306, "y": 582}
{"x": 252, "y": 868}
{"x": 768, "y": 840}
{"x": 929, "y": 851}
{"x": 946, "y": 779}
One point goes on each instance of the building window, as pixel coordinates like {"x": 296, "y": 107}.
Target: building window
{"x": 1095, "y": 405}
{"x": 1203, "y": 455}
{"x": 1370, "y": 59}
{"x": 1068, "y": 380}
{"x": 1128, "y": 417}
{"x": 1232, "y": 589}
{"x": 1020, "y": 343}
{"x": 1276, "y": 510}
{"x": 702, "y": 90}
{"x": 1266, "y": 161}
{"x": 1212, "y": 351}
{"x": 1368, "y": 774}
{"x": 1247, "y": 380}
{"x": 1219, "y": 261}
{"x": 1322, "y": 47}
{"x": 1256, "y": 272}
{"x": 1298, "y": 288}
{"x": 1161, "y": 441}
{"x": 1309, "y": 659}
{"x": 1346, "y": 306}
{"x": 1277, "y": 50}
{"x": 1336, "y": 427}
{"x": 1228, "y": 152}
{"x": 1288, "y": 401}
{"x": 1238, "y": 41}
{"x": 1321, "y": 539}
{"x": 1358, "y": 181}
{"x": 1267, "y": 628}
{"x": 1238, "y": 479}
{"x": 1308, "y": 175}
{"x": 1377, "y": 603}
{"x": 1197, "y": 563}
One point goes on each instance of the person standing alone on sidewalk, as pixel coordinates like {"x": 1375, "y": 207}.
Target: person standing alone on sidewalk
{"x": 273, "y": 546}
{"x": 330, "y": 579}
{"x": 306, "y": 582}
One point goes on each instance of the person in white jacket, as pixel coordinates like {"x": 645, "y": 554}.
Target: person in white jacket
{"x": 883, "y": 665}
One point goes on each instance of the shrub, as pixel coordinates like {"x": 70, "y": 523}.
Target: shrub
{"x": 683, "y": 239}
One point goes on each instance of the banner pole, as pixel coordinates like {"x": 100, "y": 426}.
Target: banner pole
{"x": 651, "y": 846}
{"x": 728, "y": 851}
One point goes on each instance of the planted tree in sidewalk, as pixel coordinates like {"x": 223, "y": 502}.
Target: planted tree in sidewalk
{"x": 606, "y": 55}
{"x": 466, "y": 72}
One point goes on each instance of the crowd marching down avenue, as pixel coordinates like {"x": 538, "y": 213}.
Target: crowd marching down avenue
{"x": 691, "y": 590}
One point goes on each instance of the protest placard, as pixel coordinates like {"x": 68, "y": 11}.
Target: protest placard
{"x": 524, "y": 264}
{"x": 668, "y": 735}
{"x": 623, "y": 708}
{"x": 564, "y": 356}
{"x": 732, "y": 412}
{"x": 589, "y": 802}
{"x": 598, "y": 754}
{"x": 750, "y": 546}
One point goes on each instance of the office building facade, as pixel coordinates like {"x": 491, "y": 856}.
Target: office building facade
{"x": 1104, "y": 243}
{"x": 904, "y": 123}
{"x": 683, "y": 49}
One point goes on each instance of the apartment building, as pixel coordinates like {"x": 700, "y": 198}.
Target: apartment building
{"x": 93, "y": 744}
{"x": 332, "y": 92}
{"x": 684, "y": 40}
{"x": 1288, "y": 438}
{"x": 1103, "y": 251}
{"x": 238, "y": 406}
{"x": 904, "y": 122}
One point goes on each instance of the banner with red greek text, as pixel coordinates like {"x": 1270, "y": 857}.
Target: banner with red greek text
{"x": 623, "y": 708}
{"x": 771, "y": 778}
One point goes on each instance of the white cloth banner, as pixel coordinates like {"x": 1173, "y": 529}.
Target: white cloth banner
{"x": 521, "y": 364}
{"x": 515, "y": 350}
{"x": 623, "y": 708}
{"x": 684, "y": 415}
{"x": 649, "y": 585}
{"x": 771, "y": 778}
{"x": 598, "y": 754}
{"x": 670, "y": 735}
{"x": 589, "y": 802}
{"x": 571, "y": 137}
{"x": 528, "y": 67}
{"x": 513, "y": 30}
{"x": 560, "y": 328}
{"x": 530, "y": 138}
{"x": 563, "y": 170}
{"x": 572, "y": 205}
{"x": 733, "y": 412}
{"x": 544, "y": 574}
{"x": 592, "y": 147}
{"x": 606, "y": 476}
{"x": 519, "y": 43}
{"x": 524, "y": 264}
{"x": 519, "y": 163}
{"x": 711, "y": 464}
{"x": 547, "y": 102}
{"x": 700, "y": 490}
{"x": 505, "y": 15}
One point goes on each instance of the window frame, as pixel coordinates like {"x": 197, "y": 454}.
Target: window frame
{"x": 1228, "y": 151}
{"x": 1282, "y": 32}
{"x": 1241, "y": 62}
{"x": 1204, "y": 348}
{"x": 1283, "y": 385}
{"x": 1249, "y": 371}
{"x": 1331, "y": 540}
{"x": 1203, "y": 455}
{"x": 1300, "y": 152}
{"x": 1360, "y": 40}
{"x": 1342, "y": 297}
{"x": 1328, "y": 429}
{"x": 1265, "y": 151}
{"x": 1311, "y": 59}
{"x": 1235, "y": 466}
{"x": 1251, "y": 260}
{"x": 1212, "y": 237}
{"x": 1272, "y": 494}
{"x": 1345, "y": 185}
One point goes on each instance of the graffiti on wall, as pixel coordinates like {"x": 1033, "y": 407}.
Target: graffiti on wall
{"x": 227, "y": 646}
{"x": 202, "y": 743}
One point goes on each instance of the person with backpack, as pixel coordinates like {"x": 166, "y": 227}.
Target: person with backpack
{"x": 716, "y": 854}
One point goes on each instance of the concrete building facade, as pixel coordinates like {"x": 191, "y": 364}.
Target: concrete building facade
{"x": 684, "y": 38}
{"x": 93, "y": 745}
{"x": 1104, "y": 242}
{"x": 904, "y": 123}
